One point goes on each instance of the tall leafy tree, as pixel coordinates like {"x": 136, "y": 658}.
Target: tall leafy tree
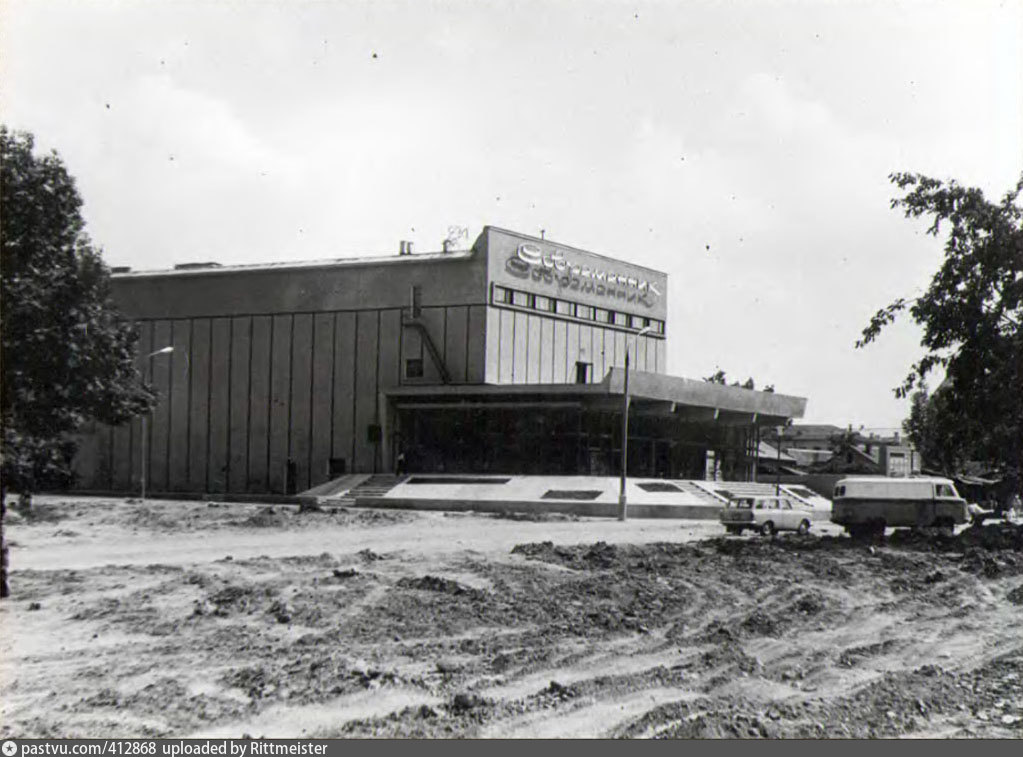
{"x": 936, "y": 430}
{"x": 67, "y": 356}
{"x": 971, "y": 316}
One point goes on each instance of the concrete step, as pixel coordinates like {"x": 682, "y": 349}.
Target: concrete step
{"x": 372, "y": 486}
{"x": 337, "y": 486}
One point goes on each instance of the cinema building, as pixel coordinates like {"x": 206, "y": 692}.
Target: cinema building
{"x": 508, "y": 357}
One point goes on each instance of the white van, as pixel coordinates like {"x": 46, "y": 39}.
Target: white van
{"x": 868, "y": 505}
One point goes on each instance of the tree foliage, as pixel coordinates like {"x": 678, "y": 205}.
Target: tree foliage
{"x": 67, "y": 356}
{"x": 935, "y": 430}
{"x": 971, "y": 315}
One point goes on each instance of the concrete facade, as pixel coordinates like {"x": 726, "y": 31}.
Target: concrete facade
{"x": 280, "y": 373}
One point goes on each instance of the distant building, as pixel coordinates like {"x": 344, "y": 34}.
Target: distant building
{"x": 824, "y": 448}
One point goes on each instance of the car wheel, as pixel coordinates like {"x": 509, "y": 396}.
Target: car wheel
{"x": 767, "y": 529}
{"x": 804, "y": 527}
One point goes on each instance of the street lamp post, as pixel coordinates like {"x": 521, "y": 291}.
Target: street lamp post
{"x": 777, "y": 467}
{"x": 145, "y": 418}
{"x": 623, "y": 504}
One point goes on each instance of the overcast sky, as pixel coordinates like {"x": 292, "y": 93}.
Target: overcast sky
{"x": 741, "y": 147}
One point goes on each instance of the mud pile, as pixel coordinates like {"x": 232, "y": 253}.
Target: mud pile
{"x": 794, "y": 636}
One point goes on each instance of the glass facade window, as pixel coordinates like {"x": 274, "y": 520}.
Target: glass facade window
{"x": 544, "y": 303}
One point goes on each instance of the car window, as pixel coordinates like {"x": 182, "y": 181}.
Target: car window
{"x": 839, "y": 491}
{"x": 759, "y": 506}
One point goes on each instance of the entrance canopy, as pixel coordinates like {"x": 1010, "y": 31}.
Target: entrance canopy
{"x": 651, "y": 394}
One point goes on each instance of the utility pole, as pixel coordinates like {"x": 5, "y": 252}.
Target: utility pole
{"x": 623, "y": 504}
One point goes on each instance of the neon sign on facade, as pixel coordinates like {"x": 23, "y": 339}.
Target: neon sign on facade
{"x": 569, "y": 275}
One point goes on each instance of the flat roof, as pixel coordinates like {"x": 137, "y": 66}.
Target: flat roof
{"x": 674, "y": 392}
{"x": 208, "y": 269}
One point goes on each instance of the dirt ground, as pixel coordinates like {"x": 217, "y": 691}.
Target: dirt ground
{"x": 192, "y": 619}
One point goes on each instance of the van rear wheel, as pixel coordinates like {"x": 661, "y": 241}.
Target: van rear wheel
{"x": 767, "y": 529}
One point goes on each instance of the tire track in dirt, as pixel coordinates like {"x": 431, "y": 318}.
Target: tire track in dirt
{"x": 794, "y": 636}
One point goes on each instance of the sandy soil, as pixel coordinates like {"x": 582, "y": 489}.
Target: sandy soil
{"x": 187, "y": 619}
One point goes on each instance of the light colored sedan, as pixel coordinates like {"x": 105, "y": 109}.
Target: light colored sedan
{"x": 766, "y": 515}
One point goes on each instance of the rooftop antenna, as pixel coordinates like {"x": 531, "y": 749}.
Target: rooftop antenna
{"x": 456, "y": 235}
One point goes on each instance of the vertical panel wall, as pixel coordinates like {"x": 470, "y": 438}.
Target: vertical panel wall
{"x": 520, "y": 333}
{"x": 590, "y": 350}
{"x": 477, "y": 365}
{"x": 135, "y": 433}
{"x": 492, "y": 349}
{"x": 456, "y": 343}
{"x": 506, "y": 348}
{"x": 526, "y": 347}
{"x": 159, "y": 417}
{"x": 242, "y": 396}
{"x": 180, "y": 366}
{"x": 280, "y": 393}
{"x": 546, "y": 368}
{"x": 343, "y": 442}
{"x": 389, "y": 374}
{"x": 277, "y": 375}
{"x": 260, "y": 374}
{"x": 199, "y": 413}
{"x": 322, "y": 396}
{"x": 572, "y": 352}
{"x": 240, "y": 392}
{"x": 220, "y": 406}
{"x": 300, "y": 425}
{"x": 534, "y": 349}
{"x": 366, "y": 414}
{"x": 560, "y": 357}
